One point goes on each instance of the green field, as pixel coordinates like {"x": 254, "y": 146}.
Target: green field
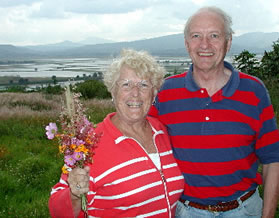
{"x": 29, "y": 162}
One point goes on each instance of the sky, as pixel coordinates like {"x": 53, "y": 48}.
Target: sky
{"x": 35, "y": 22}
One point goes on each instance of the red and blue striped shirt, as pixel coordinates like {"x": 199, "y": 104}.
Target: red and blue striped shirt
{"x": 218, "y": 141}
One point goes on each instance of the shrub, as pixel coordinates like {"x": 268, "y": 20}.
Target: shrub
{"x": 56, "y": 90}
{"x": 93, "y": 89}
{"x": 15, "y": 89}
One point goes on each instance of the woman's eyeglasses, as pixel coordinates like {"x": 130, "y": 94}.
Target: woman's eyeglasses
{"x": 128, "y": 85}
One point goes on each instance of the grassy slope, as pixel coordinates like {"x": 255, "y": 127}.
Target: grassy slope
{"x": 29, "y": 163}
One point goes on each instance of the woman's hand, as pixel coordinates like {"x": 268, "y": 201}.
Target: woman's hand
{"x": 78, "y": 181}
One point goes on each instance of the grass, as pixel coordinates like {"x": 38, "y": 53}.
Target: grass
{"x": 29, "y": 162}
{"x": 28, "y": 168}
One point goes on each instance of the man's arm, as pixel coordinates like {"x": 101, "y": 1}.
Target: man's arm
{"x": 271, "y": 189}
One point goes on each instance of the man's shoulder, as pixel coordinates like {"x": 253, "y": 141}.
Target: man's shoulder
{"x": 174, "y": 81}
{"x": 250, "y": 77}
{"x": 251, "y": 81}
{"x": 181, "y": 75}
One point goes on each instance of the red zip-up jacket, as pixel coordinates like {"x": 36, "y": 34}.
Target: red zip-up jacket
{"x": 124, "y": 181}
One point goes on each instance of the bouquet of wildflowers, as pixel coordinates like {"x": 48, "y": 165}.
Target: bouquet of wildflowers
{"x": 77, "y": 138}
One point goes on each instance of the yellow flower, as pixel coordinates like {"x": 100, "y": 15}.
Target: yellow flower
{"x": 82, "y": 148}
{"x": 62, "y": 148}
{"x": 88, "y": 141}
{"x": 64, "y": 170}
{"x": 73, "y": 146}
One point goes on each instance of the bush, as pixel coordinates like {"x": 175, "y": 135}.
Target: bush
{"x": 56, "y": 90}
{"x": 15, "y": 89}
{"x": 93, "y": 89}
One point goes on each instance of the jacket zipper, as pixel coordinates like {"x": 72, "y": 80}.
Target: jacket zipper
{"x": 160, "y": 171}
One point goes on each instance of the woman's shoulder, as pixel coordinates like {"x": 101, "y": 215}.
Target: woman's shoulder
{"x": 156, "y": 123}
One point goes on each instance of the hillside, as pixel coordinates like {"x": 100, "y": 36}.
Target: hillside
{"x": 171, "y": 45}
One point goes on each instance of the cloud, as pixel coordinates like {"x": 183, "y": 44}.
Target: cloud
{"x": 12, "y": 3}
{"x": 51, "y": 21}
{"x": 106, "y": 6}
{"x": 58, "y": 8}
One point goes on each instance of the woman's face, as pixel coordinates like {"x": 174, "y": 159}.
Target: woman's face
{"x": 132, "y": 95}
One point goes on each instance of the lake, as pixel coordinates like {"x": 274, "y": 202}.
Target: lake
{"x": 78, "y": 66}
{"x": 75, "y": 67}
{"x": 57, "y": 67}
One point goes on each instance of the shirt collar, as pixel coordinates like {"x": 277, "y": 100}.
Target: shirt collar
{"x": 228, "y": 90}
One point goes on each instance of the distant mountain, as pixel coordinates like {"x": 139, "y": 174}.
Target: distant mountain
{"x": 171, "y": 45}
{"x": 256, "y": 42}
{"x": 10, "y": 52}
{"x": 61, "y": 46}
{"x": 94, "y": 41}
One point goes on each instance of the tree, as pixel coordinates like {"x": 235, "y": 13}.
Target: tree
{"x": 247, "y": 63}
{"x": 22, "y": 81}
{"x": 54, "y": 79}
{"x": 270, "y": 62}
{"x": 92, "y": 89}
{"x": 95, "y": 76}
{"x": 100, "y": 76}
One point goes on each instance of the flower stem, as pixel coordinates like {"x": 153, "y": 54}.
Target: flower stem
{"x": 84, "y": 204}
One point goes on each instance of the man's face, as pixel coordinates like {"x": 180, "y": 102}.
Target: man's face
{"x": 206, "y": 41}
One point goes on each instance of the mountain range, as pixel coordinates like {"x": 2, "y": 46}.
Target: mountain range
{"x": 170, "y": 45}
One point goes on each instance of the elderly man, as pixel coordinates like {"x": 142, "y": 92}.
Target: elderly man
{"x": 222, "y": 126}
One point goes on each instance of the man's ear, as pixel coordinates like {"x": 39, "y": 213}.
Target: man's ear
{"x": 186, "y": 45}
{"x": 229, "y": 44}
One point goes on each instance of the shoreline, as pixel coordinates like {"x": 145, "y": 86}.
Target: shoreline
{"x": 19, "y": 81}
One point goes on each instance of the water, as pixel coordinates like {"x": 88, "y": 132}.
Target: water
{"x": 79, "y": 66}
{"x": 55, "y": 67}
{"x": 75, "y": 67}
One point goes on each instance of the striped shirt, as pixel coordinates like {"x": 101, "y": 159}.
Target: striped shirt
{"x": 218, "y": 141}
{"x": 124, "y": 182}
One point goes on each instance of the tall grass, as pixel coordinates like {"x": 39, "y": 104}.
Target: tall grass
{"x": 29, "y": 162}
{"x": 19, "y": 105}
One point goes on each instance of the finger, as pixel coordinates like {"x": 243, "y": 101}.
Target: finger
{"x": 79, "y": 189}
{"x": 80, "y": 171}
{"x": 87, "y": 169}
{"x": 83, "y": 184}
{"x": 77, "y": 174}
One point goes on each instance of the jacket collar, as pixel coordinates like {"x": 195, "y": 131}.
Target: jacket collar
{"x": 118, "y": 136}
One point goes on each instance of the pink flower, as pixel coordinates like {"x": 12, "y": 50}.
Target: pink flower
{"x": 51, "y": 130}
{"x": 86, "y": 121}
{"x": 76, "y": 141}
{"x": 69, "y": 160}
{"x": 77, "y": 156}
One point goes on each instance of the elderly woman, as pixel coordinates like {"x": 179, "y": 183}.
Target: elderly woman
{"x": 134, "y": 173}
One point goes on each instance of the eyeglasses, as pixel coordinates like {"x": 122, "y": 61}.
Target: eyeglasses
{"x": 128, "y": 85}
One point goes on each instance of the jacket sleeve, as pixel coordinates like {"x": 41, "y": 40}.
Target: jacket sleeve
{"x": 60, "y": 203}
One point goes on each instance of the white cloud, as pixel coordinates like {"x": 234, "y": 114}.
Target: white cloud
{"x": 50, "y": 21}
{"x": 9, "y": 3}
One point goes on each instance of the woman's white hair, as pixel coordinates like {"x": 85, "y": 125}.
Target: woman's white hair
{"x": 144, "y": 65}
